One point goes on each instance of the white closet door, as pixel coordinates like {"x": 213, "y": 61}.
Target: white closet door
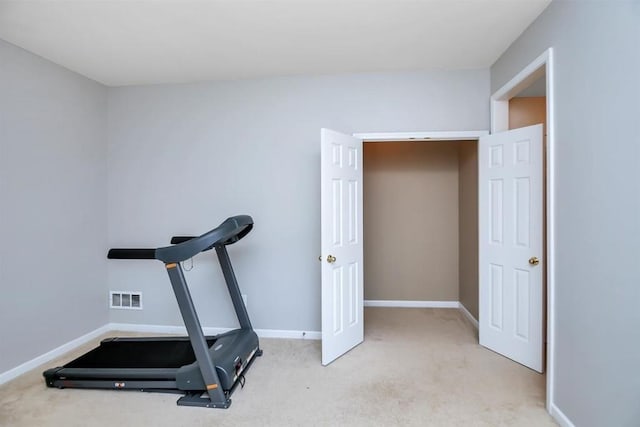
{"x": 511, "y": 244}
{"x": 341, "y": 240}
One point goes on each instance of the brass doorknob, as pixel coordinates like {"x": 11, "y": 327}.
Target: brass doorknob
{"x": 534, "y": 260}
{"x": 331, "y": 259}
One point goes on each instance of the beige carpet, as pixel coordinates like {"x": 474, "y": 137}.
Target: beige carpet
{"x": 417, "y": 367}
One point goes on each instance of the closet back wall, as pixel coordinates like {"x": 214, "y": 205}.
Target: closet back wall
{"x": 411, "y": 221}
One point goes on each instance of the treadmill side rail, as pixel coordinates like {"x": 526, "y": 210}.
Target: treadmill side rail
{"x": 140, "y": 385}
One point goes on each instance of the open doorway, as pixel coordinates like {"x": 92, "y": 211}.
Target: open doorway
{"x": 341, "y": 232}
{"x": 531, "y": 80}
{"x": 420, "y": 223}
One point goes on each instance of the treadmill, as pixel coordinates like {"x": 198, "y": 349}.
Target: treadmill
{"x": 206, "y": 369}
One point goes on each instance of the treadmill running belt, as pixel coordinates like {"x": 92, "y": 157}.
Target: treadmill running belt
{"x": 138, "y": 354}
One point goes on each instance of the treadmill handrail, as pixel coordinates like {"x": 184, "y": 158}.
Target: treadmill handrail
{"x": 227, "y": 233}
{"x": 120, "y": 253}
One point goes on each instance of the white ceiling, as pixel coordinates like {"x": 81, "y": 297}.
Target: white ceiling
{"x": 126, "y": 42}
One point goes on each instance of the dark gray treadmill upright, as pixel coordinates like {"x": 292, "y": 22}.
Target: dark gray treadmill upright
{"x": 206, "y": 369}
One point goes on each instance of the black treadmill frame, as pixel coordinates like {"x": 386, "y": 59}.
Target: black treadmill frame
{"x": 164, "y": 379}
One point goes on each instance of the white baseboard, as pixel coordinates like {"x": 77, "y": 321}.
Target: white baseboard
{"x": 411, "y": 304}
{"x": 276, "y": 333}
{"x": 50, "y": 355}
{"x": 560, "y": 417}
{"x": 167, "y": 329}
{"x": 160, "y": 329}
{"x": 469, "y": 316}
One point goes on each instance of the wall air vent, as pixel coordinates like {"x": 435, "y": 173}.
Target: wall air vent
{"x": 127, "y": 300}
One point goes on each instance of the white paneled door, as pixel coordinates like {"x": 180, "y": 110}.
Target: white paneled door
{"x": 511, "y": 259}
{"x": 341, "y": 240}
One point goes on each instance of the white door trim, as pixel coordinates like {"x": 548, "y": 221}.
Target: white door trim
{"x": 543, "y": 64}
{"x": 471, "y": 135}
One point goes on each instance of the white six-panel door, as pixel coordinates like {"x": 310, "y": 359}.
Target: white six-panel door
{"x": 511, "y": 260}
{"x": 341, "y": 240}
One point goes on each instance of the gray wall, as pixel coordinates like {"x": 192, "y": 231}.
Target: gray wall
{"x": 184, "y": 157}
{"x": 597, "y": 64}
{"x": 53, "y": 206}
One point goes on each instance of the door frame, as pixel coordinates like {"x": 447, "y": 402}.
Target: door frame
{"x": 542, "y": 65}
{"x": 443, "y": 136}
{"x": 467, "y": 135}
